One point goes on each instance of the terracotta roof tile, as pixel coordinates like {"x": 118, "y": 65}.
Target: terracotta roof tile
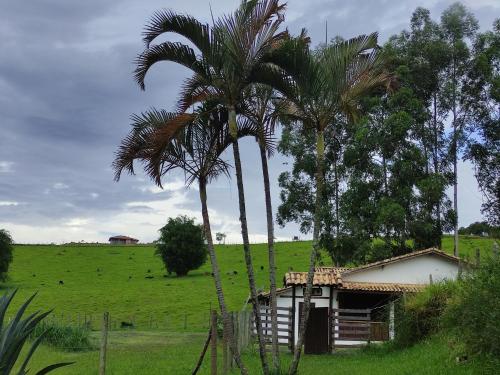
{"x": 320, "y": 278}
{"x": 382, "y": 287}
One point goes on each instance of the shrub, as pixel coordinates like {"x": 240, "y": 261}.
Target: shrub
{"x": 5, "y": 253}
{"x": 419, "y": 315}
{"x": 13, "y": 337}
{"x": 182, "y": 245}
{"x": 473, "y": 314}
{"x": 65, "y": 337}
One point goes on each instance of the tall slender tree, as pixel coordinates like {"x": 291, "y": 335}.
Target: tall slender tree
{"x": 483, "y": 149}
{"x": 323, "y": 85}
{"x": 459, "y": 26}
{"x": 259, "y": 109}
{"x": 230, "y": 56}
{"x": 196, "y": 150}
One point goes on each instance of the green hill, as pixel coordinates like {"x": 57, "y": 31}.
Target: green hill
{"x": 81, "y": 282}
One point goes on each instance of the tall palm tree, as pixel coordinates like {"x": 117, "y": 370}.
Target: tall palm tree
{"x": 259, "y": 109}
{"x": 196, "y": 149}
{"x": 228, "y": 58}
{"x": 323, "y": 85}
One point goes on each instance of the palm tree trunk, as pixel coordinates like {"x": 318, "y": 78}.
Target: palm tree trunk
{"x": 228, "y": 328}
{"x": 320, "y": 154}
{"x": 272, "y": 263}
{"x": 246, "y": 243}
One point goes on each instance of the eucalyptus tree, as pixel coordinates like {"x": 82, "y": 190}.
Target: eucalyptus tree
{"x": 227, "y": 58}
{"x": 196, "y": 150}
{"x": 459, "y": 26}
{"x": 321, "y": 86}
{"x": 484, "y": 147}
{"x": 259, "y": 109}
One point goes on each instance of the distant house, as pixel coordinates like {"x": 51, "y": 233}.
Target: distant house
{"x": 349, "y": 305}
{"x": 122, "y": 240}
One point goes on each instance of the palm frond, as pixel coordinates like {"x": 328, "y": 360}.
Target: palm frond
{"x": 168, "y": 51}
{"x": 165, "y": 21}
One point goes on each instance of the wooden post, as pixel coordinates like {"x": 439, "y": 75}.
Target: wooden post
{"x": 225, "y": 357}
{"x": 430, "y": 279}
{"x": 104, "y": 344}
{"x": 213, "y": 344}
{"x": 478, "y": 257}
{"x": 495, "y": 249}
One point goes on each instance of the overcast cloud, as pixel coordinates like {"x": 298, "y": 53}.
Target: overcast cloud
{"x": 66, "y": 94}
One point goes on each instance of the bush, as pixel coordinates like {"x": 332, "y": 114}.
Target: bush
{"x": 65, "y": 337}
{"x": 473, "y": 314}
{"x": 419, "y": 315}
{"x": 5, "y": 253}
{"x": 15, "y": 333}
{"x": 182, "y": 245}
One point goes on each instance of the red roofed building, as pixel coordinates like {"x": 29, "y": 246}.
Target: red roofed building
{"x": 122, "y": 240}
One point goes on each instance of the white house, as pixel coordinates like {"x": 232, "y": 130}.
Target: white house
{"x": 348, "y": 304}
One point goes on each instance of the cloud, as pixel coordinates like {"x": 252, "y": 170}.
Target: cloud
{"x": 6, "y": 166}
{"x": 60, "y": 186}
{"x": 9, "y": 203}
{"x": 65, "y": 109}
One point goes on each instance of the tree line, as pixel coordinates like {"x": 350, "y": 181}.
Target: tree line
{"x": 351, "y": 119}
{"x": 389, "y": 171}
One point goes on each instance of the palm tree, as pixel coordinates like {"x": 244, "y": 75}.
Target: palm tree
{"x": 324, "y": 85}
{"x": 259, "y": 109}
{"x": 228, "y": 58}
{"x": 196, "y": 149}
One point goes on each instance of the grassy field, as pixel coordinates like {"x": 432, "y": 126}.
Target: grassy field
{"x": 159, "y": 353}
{"x": 130, "y": 282}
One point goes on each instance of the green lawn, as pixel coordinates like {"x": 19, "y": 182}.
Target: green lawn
{"x": 160, "y": 353}
{"x": 118, "y": 279}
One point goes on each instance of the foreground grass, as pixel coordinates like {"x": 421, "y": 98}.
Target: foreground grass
{"x": 159, "y": 353}
{"x": 130, "y": 282}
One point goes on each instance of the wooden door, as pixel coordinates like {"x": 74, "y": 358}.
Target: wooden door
{"x": 316, "y": 340}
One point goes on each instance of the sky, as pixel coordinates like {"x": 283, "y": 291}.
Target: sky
{"x": 66, "y": 95}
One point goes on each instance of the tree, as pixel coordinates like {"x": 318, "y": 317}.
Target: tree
{"x": 458, "y": 25}
{"x": 230, "y": 57}
{"x": 483, "y": 148}
{"x": 324, "y": 86}
{"x": 259, "y": 109}
{"x": 420, "y": 57}
{"x": 220, "y": 237}
{"x": 5, "y": 253}
{"x": 196, "y": 150}
{"x": 181, "y": 245}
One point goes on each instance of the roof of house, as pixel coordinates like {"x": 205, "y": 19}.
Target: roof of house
{"x": 326, "y": 276}
{"x": 363, "y": 287}
{"x": 430, "y": 251}
{"x": 122, "y": 238}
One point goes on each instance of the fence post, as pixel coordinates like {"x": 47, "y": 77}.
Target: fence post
{"x": 391, "y": 320}
{"x": 225, "y": 357}
{"x": 478, "y": 257}
{"x": 495, "y": 249}
{"x": 104, "y": 344}
{"x": 213, "y": 344}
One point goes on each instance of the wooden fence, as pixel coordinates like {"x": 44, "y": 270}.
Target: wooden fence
{"x": 350, "y": 327}
{"x": 285, "y": 326}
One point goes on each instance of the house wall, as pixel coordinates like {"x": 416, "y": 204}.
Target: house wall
{"x": 409, "y": 271}
{"x": 285, "y": 300}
